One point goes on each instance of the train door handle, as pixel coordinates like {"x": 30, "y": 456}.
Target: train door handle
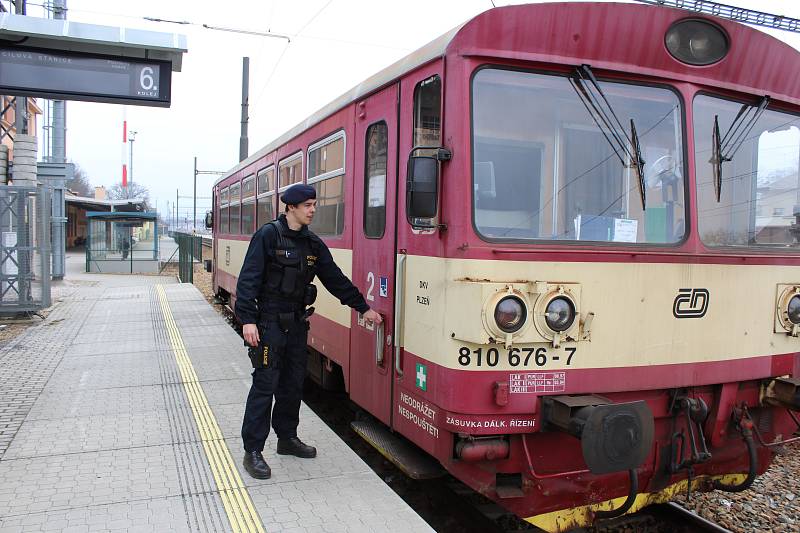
{"x": 379, "y": 345}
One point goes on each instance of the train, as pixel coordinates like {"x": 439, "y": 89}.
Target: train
{"x": 581, "y": 225}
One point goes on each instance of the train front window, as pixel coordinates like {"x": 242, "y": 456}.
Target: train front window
{"x": 759, "y": 189}
{"x": 543, "y": 170}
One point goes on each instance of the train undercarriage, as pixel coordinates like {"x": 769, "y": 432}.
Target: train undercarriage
{"x": 604, "y": 450}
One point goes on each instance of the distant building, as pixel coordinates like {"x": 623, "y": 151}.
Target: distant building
{"x": 77, "y": 206}
{"x": 776, "y": 199}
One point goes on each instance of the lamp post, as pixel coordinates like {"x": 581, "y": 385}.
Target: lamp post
{"x": 131, "y": 138}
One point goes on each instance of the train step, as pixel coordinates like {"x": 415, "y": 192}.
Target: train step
{"x": 412, "y": 461}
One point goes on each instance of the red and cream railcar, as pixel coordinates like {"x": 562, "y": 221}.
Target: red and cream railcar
{"x": 580, "y": 222}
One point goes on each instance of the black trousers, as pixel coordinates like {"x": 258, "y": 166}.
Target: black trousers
{"x": 282, "y": 377}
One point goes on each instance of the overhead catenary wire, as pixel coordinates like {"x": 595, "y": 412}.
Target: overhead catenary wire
{"x": 283, "y": 53}
{"x": 307, "y": 24}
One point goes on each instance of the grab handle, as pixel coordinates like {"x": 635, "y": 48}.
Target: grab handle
{"x": 379, "y": 345}
{"x": 399, "y": 294}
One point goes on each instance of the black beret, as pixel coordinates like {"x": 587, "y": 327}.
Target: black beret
{"x": 298, "y": 193}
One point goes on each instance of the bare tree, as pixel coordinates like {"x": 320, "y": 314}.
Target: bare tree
{"x": 134, "y": 191}
{"x": 80, "y": 183}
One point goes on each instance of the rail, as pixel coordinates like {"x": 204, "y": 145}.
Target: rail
{"x": 672, "y": 511}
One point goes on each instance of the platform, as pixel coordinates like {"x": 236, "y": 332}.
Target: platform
{"x": 122, "y": 412}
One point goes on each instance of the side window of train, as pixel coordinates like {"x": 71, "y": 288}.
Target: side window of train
{"x": 326, "y": 175}
{"x": 248, "y": 204}
{"x": 290, "y": 171}
{"x": 428, "y": 113}
{"x": 265, "y": 202}
{"x": 235, "y": 209}
{"x": 223, "y": 210}
{"x": 377, "y": 146}
{"x": 427, "y": 122}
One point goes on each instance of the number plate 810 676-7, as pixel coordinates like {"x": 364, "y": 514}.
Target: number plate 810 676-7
{"x": 537, "y": 357}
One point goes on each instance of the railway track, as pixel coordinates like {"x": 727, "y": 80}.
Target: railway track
{"x": 661, "y": 518}
{"x": 681, "y": 515}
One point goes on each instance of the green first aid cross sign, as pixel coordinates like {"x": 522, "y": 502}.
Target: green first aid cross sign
{"x": 422, "y": 377}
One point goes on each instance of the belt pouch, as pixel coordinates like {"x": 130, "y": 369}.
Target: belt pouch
{"x": 310, "y": 294}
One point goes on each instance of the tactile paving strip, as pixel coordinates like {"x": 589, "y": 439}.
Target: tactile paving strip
{"x": 185, "y": 400}
{"x": 201, "y": 503}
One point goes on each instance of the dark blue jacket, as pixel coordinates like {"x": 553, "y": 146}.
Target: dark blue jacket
{"x": 251, "y": 294}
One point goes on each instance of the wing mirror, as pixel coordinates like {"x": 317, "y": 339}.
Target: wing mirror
{"x": 422, "y": 185}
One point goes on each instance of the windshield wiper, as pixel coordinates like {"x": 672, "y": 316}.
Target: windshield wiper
{"x": 723, "y": 148}
{"x": 625, "y": 147}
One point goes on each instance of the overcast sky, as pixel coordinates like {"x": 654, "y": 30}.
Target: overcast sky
{"x": 335, "y": 45}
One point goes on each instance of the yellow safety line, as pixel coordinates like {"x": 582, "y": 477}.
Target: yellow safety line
{"x": 235, "y": 498}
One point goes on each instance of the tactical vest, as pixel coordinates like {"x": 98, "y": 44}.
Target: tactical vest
{"x": 292, "y": 268}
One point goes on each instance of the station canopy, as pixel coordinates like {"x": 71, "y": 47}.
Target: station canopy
{"x": 62, "y": 59}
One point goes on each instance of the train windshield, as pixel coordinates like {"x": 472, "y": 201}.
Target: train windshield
{"x": 544, "y": 170}
{"x": 758, "y": 186}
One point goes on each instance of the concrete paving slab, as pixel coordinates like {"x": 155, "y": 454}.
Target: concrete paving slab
{"x": 78, "y": 480}
{"x": 107, "y": 372}
{"x": 231, "y": 365}
{"x": 41, "y": 438}
{"x": 56, "y": 404}
{"x": 141, "y": 323}
{"x": 107, "y": 348}
{"x": 227, "y": 391}
{"x": 150, "y": 515}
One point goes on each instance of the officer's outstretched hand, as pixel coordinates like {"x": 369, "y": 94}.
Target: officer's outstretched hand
{"x": 250, "y": 334}
{"x": 371, "y": 316}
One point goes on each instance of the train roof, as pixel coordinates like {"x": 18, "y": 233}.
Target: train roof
{"x": 541, "y": 38}
{"x": 429, "y": 52}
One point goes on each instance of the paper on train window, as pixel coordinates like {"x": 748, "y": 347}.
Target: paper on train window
{"x": 625, "y": 230}
{"x": 377, "y": 191}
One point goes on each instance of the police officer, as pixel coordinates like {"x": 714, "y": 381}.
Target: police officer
{"x": 272, "y": 296}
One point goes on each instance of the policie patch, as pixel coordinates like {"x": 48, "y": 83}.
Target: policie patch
{"x": 265, "y": 356}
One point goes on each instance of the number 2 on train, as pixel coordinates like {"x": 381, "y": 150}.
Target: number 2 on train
{"x": 371, "y": 283}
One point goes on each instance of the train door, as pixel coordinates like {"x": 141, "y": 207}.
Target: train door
{"x": 375, "y": 201}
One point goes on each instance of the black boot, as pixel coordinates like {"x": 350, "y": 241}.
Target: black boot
{"x": 294, "y": 446}
{"x": 256, "y": 466}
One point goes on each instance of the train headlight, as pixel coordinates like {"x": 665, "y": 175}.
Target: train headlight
{"x": 696, "y": 42}
{"x": 787, "y": 309}
{"x": 793, "y": 310}
{"x": 559, "y": 314}
{"x": 510, "y": 314}
{"x": 505, "y": 314}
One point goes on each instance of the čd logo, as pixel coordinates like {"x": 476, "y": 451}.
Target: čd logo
{"x": 690, "y": 303}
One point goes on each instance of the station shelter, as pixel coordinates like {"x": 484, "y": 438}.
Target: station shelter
{"x": 77, "y": 207}
{"x": 120, "y": 242}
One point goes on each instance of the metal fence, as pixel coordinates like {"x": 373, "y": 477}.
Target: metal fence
{"x": 24, "y": 249}
{"x": 190, "y": 251}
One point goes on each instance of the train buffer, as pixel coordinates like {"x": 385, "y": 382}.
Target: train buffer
{"x": 122, "y": 411}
